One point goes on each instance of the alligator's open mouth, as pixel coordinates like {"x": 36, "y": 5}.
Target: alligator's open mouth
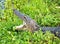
{"x": 34, "y": 26}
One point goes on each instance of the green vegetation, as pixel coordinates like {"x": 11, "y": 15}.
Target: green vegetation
{"x": 44, "y": 12}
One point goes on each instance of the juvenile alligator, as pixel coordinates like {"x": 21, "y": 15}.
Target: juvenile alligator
{"x": 33, "y": 26}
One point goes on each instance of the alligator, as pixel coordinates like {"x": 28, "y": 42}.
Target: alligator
{"x": 32, "y": 26}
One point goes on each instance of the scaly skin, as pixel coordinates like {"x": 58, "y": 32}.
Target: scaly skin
{"x": 33, "y": 26}
{"x": 29, "y": 23}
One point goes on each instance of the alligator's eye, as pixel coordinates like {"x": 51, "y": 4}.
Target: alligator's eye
{"x": 25, "y": 18}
